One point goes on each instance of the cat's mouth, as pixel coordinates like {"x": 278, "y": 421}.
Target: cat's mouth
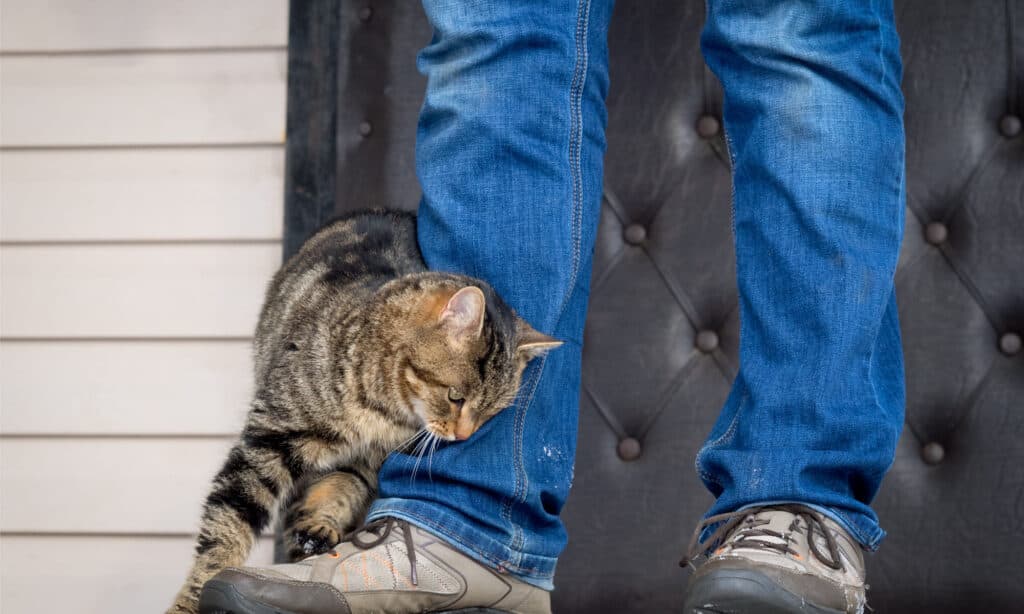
{"x": 451, "y": 430}
{"x": 443, "y": 431}
{"x": 464, "y": 426}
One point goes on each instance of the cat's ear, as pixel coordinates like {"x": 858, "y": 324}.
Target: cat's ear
{"x": 463, "y": 316}
{"x": 533, "y": 343}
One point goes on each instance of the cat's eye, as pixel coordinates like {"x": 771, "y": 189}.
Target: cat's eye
{"x": 454, "y": 395}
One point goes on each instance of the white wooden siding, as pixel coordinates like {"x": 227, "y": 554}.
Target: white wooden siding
{"x": 152, "y": 98}
{"x": 158, "y": 290}
{"x": 182, "y": 193}
{"x": 121, "y": 387}
{"x": 106, "y": 485}
{"x": 84, "y": 574}
{"x": 77, "y": 25}
{"x": 141, "y": 189}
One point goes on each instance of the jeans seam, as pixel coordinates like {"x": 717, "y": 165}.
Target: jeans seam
{"x": 576, "y": 143}
{"x": 724, "y": 436}
{"x": 881, "y": 43}
{"x": 520, "y": 472}
{"x": 576, "y": 89}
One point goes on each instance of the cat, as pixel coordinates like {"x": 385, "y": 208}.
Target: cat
{"x": 359, "y": 350}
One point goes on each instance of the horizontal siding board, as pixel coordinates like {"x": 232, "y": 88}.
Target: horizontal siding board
{"x": 130, "y": 485}
{"x": 97, "y": 575}
{"x": 117, "y": 387}
{"x": 55, "y": 195}
{"x": 143, "y": 99}
{"x": 57, "y": 25}
{"x": 133, "y": 290}
{"x": 170, "y": 133}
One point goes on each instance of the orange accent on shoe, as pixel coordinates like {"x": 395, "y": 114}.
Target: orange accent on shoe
{"x": 370, "y": 582}
{"x": 391, "y": 567}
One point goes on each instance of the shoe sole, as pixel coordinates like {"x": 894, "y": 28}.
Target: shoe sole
{"x": 222, "y": 598}
{"x": 737, "y": 591}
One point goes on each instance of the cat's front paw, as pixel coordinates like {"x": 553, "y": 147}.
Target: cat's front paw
{"x": 309, "y": 538}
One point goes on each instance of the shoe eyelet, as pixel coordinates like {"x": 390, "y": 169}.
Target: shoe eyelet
{"x": 334, "y": 555}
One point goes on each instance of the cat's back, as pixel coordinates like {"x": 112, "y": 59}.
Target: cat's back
{"x": 335, "y": 269}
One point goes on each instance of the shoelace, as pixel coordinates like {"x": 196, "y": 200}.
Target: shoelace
{"x": 750, "y": 536}
{"x": 385, "y": 525}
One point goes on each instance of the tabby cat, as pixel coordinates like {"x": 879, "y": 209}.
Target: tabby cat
{"x": 359, "y": 350}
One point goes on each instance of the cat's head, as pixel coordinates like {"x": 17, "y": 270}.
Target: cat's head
{"x": 465, "y": 356}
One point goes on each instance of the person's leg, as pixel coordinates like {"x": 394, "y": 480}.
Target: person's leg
{"x": 813, "y": 115}
{"x": 509, "y": 156}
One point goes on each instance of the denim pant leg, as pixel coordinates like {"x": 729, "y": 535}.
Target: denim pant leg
{"x": 509, "y": 156}
{"x": 813, "y": 114}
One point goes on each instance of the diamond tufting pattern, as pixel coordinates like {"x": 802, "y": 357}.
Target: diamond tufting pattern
{"x": 662, "y": 333}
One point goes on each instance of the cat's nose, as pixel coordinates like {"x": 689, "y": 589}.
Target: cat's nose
{"x": 463, "y": 429}
{"x": 464, "y": 426}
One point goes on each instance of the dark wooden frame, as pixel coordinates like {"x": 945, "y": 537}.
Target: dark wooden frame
{"x": 311, "y": 144}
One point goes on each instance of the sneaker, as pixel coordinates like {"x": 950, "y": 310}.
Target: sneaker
{"x": 388, "y": 565}
{"x": 775, "y": 559}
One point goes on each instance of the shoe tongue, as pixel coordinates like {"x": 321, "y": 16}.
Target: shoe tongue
{"x": 786, "y": 523}
{"x": 756, "y": 526}
{"x": 774, "y": 520}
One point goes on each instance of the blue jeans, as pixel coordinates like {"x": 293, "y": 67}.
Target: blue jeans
{"x": 509, "y": 157}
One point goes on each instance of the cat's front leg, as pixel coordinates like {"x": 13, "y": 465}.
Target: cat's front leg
{"x": 245, "y": 493}
{"x": 328, "y": 509}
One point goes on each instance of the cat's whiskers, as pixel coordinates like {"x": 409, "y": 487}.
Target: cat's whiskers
{"x": 430, "y": 456}
{"x": 408, "y": 442}
{"x": 418, "y": 452}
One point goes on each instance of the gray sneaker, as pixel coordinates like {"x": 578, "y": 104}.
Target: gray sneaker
{"x": 776, "y": 559}
{"x": 386, "y": 566}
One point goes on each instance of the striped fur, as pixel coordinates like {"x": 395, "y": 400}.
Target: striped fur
{"x": 358, "y": 348}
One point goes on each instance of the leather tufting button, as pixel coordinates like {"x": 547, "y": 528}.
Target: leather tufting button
{"x": 707, "y": 341}
{"x": 708, "y": 126}
{"x": 629, "y": 449}
{"x": 365, "y": 14}
{"x": 635, "y": 234}
{"x": 1009, "y": 125}
{"x": 933, "y": 453}
{"x": 1010, "y": 343}
{"x": 936, "y": 233}
{"x": 365, "y": 128}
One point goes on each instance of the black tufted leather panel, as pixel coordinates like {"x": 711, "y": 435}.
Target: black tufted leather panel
{"x": 662, "y": 332}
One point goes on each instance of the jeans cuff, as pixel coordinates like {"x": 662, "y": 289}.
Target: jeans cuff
{"x": 456, "y": 532}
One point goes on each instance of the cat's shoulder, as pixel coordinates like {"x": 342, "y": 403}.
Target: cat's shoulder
{"x": 378, "y": 243}
{"x": 363, "y": 222}
{"x": 362, "y": 229}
